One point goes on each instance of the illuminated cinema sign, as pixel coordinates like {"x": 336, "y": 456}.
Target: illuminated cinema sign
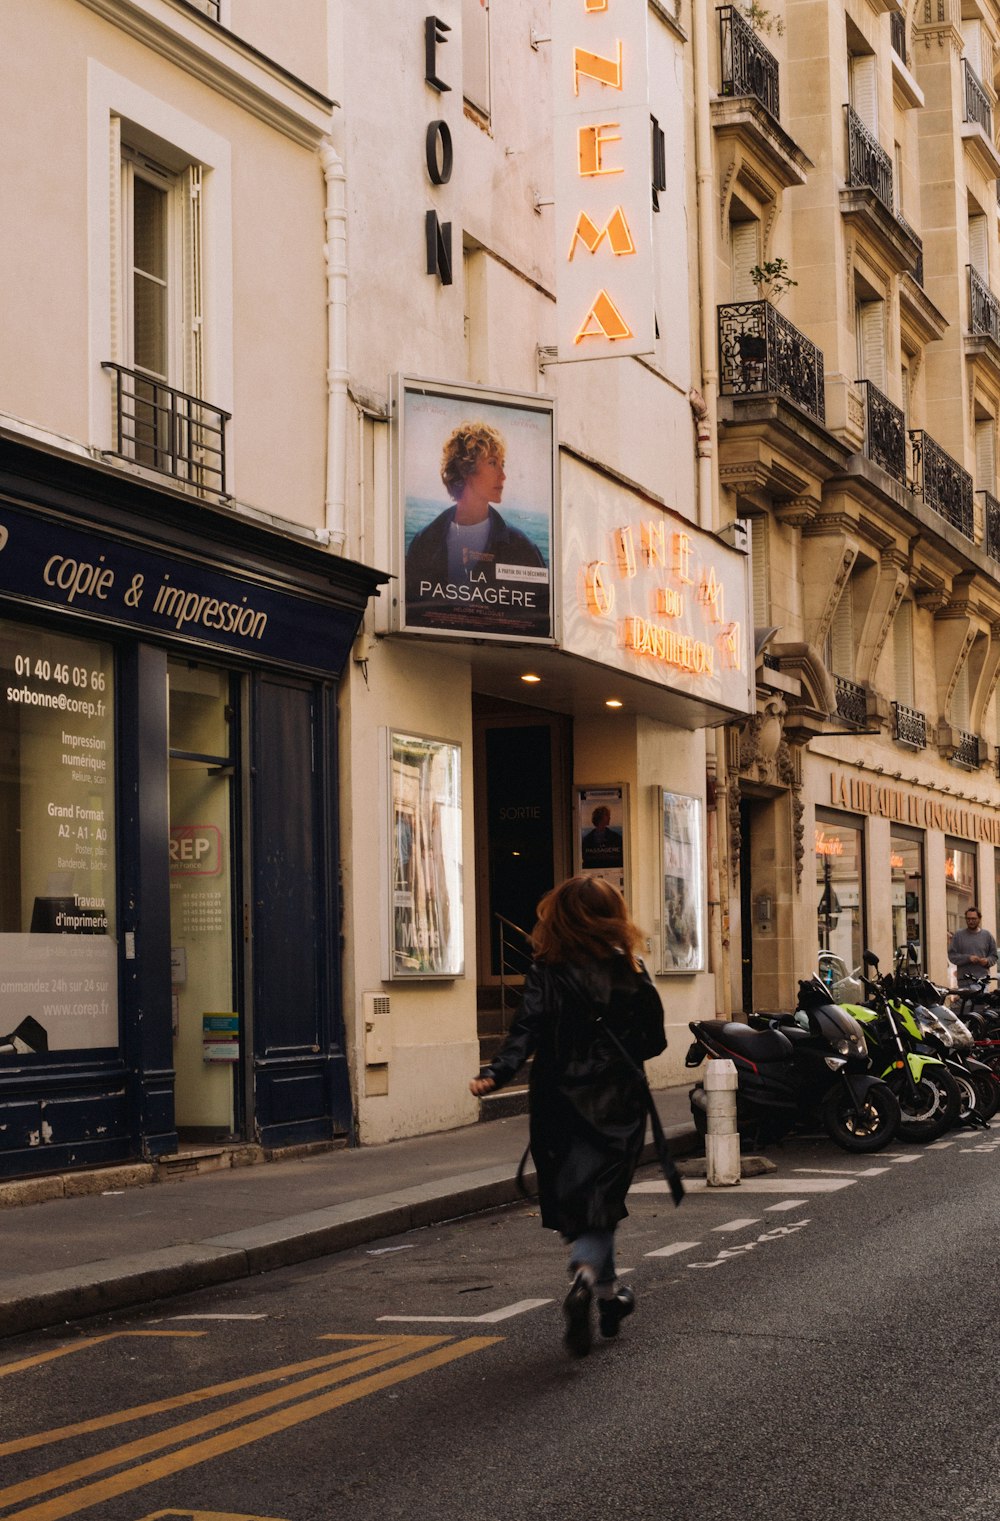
{"x": 603, "y": 172}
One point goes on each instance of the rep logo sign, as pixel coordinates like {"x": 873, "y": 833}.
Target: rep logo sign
{"x": 195, "y": 850}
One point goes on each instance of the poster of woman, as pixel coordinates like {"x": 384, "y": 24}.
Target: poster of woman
{"x": 684, "y": 905}
{"x": 476, "y": 480}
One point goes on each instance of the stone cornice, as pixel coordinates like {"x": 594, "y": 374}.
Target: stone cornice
{"x": 217, "y": 58}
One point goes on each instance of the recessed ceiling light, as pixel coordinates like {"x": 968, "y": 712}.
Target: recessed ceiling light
{"x": 613, "y": 702}
{"x": 530, "y": 678}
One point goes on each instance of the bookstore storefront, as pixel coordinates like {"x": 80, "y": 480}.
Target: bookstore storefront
{"x": 169, "y": 953}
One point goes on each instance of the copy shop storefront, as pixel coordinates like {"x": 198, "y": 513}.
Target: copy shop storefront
{"x": 169, "y": 952}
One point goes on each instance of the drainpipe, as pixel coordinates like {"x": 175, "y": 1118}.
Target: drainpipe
{"x": 337, "y": 375}
{"x": 704, "y": 403}
{"x": 704, "y": 406}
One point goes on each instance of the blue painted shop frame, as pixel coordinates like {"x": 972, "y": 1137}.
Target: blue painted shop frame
{"x": 75, "y": 539}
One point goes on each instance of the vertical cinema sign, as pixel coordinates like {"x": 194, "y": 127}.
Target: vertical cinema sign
{"x": 603, "y": 199}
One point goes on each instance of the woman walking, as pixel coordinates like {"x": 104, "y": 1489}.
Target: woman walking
{"x": 590, "y": 1016}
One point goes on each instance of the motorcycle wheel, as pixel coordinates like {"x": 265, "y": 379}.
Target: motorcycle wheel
{"x": 869, "y": 1128}
{"x": 987, "y": 1094}
{"x": 932, "y": 1110}
{"x": 968, "y": 1098}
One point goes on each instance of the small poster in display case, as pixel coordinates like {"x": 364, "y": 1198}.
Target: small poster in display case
{"x": 600, "y": 833}
{"x": 425, "y": 921}
{"x": 682, "y": 876}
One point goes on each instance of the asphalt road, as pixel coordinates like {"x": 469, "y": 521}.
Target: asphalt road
{"x": 817, "y": 1344}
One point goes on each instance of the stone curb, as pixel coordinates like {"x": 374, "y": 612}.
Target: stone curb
{"x": 43, "y": 1299}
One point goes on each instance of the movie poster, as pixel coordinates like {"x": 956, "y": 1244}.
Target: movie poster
{"x": 476, "y": 490}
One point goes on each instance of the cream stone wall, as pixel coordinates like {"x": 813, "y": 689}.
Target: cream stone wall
{"x": 263, "y": 249}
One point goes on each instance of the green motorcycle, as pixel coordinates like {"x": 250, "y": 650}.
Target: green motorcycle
{"x": 929, "y": 1097}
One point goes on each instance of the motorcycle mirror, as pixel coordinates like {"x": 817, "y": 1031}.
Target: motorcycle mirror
{"x": 870, "y": 959}
{"x": 911, "y": 951}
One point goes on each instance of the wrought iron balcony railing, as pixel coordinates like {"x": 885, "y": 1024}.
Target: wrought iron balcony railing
{"x": 942, "y": 482}
{"x": 868, "y": 163}
{"x": 910, "y": 726}
{"x": 897, "y": 33}
{"x": 748, "y": 68}
{"x": 885, "y": 432}
{"x": 852, "y": 705}
{"x": 977, "y": 102}
{"x": 918, "y": 268}
{"x": 762, "y": 353}
{"x": 966, "y": 752}
{"x": 991, "y": 524}
{"x": 165, "y": 429}
{"x": 984, "y": 308}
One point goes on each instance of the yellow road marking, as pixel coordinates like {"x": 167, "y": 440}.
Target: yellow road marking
{"x": 81, "y": 1346}
{"x": 350, "y": 1362}
{"x": 203, "y": 1515}
{"x": 243, "y": 1436}
{"x": 192, "y": 1397}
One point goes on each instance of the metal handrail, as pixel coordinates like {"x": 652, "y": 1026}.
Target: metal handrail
{"x": 514, "y": 959}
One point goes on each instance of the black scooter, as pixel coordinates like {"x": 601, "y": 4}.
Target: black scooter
{"x": 796, "y": 1069}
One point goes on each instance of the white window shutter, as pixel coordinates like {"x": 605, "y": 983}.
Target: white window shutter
{"x": 744, "y": 249}
{"x": 116, "y": 262}
{"x": 871, "y": 342}
{"x": 986, "y": 453}
{"x": 960, "y": 699}
{"x": 864, "y": 89}
{"x": 972, "y": 32}
{"x": 760, "y": 571}
{"x": 979, "y": 256}
{"x": 842, "y": 635}
{"x": 194, "y": 356}
{"x": 902, "y": 654}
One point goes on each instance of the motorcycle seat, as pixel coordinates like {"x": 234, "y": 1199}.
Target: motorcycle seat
{"x": 751, "y": 1045}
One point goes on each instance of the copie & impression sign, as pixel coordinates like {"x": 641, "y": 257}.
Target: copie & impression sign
{"x": 48, "y": 562}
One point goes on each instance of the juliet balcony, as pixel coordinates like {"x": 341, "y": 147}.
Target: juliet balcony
{"x": 942, "y": 482}
{"x": 991, "y": 524}
{"x": 977, "y": 125}
{"x": 164, "y": 429}
{"x": 867, "y": 200}
{"x": 909, "y": 728}
{"x": 747, "y": 66}
{"x": 761, "y": 353}
{"x": 747, "y": 113}
{"x": 885, "y": 432}
{"x": 852, "y": 702}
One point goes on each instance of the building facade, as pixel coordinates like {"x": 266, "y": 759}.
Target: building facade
{"x": 856, "y": 167}
{"x": 173, "y": 625}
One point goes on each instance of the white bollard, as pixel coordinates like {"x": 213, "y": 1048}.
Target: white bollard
{"x": 722, "y": 1142}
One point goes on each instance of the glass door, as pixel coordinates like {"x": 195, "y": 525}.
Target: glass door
{"x": 207, "y": 1024}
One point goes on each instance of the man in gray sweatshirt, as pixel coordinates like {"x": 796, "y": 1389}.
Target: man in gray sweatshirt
{"x": 972, "y": 950}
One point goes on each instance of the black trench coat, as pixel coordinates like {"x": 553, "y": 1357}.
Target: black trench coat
{"x": 587, "y": 1105}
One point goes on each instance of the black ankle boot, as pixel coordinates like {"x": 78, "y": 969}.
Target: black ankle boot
{"x": 611, "y": 1312}
{"x": 576, "y": 1308}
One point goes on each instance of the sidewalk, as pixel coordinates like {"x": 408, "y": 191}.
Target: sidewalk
{"x": 71, "y": 1257}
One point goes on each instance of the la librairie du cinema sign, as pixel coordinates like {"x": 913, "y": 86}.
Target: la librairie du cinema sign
{"x": 603, "y": 203}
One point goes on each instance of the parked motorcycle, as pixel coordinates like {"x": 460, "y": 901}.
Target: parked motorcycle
{"x": 947, "y": 1036}
{"x": 796, "y": 1069}
{"x": 929, "y": 1097}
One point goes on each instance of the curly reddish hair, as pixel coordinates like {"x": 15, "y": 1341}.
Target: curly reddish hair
{"x": 464, "y": 449}
{"x": 585, "y": 919}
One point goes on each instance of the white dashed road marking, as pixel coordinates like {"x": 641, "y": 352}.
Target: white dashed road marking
{"x": 939, "y": 1145}
{"x": 767, "y": 1185}
{"x": 489, "y": 1319}
{"x": 735, "y": 1225}
{"x": 844, "y": 1172}
{"x": 673, "y": 1249}
{"x": 785, "y": 1204}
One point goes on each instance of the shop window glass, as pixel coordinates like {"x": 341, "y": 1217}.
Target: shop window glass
{"x": 839, "y": 889}
{"x": 58, "y": 952}
{"x": 960, "y": 882}
{"x": 906, "y": 857}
